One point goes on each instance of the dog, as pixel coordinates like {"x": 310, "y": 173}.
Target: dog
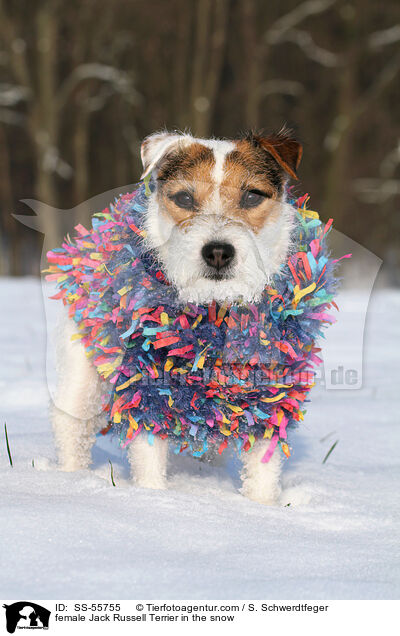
{"x": 219, "y": 221}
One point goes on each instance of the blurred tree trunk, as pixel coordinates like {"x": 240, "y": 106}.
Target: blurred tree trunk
{"x": 254, "y": 58}
{"x": 81, "y": 158}
{"x": 80, "y": 143}
{"x": 80, "y": 132}
{"x": 200, "y": 103}
{"x": 9, "y": 240}
{"x": 209, "y": 48}
{"x": 43, "y": 121}
{"x": 341, "y": 148}
{"x": 180, "y": 96}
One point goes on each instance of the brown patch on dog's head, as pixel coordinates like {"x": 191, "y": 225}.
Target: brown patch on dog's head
{"x": 186, "y": 170}
{"x": 286, "y": 151}
{"x": 188, "y": 163}
{"x": 251, "y": 168}
{"x": 282, "y": 146}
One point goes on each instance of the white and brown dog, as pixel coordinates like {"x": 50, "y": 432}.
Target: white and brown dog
{"x": 220, "y": 225}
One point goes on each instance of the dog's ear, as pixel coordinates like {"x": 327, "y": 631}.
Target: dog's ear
{"x": 284, "y": 149}
{"x": 155, "y": 147}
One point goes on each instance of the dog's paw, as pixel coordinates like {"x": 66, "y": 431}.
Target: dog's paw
{"x": 266, "y": 494}
{"x": 265, "y": 501}
{"x": 153, "y": 484}
{"x": 71, "y": 467}
{"x": 267, "y": 498}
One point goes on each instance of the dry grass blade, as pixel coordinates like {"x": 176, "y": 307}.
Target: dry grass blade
{"x": 8, "y": 445}
{"x": 330, "y": 451}
{"x": 112, "y": 473}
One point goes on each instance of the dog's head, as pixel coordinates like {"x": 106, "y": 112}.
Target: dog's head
{"x": 217, "y": 218}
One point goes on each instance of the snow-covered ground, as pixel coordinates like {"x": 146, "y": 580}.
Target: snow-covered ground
{"x": 67, "y": 535}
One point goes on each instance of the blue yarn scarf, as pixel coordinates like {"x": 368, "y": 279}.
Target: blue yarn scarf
{"x": 196, "y": 374}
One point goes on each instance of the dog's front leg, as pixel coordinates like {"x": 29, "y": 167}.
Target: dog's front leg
{"x": 261, "y": 481}
{"x": 76, "y": 410}
{"x": 149, "y": 461}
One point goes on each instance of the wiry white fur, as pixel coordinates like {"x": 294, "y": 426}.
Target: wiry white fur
{"x": 261, "y": 481}
{"x": 182, "y": 261}
{"x": 149, "y": 462}
{"x": 258, "y": 256}
{"x": 75, "y": 414}
{"x": 76, "y": 410}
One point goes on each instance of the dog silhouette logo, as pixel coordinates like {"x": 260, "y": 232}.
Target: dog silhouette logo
{"x": 26, "y": 615}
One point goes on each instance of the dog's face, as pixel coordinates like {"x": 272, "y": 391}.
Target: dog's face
{"x": 217, "y": 218}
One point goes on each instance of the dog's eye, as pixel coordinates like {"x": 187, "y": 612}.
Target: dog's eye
{"x": 252, "y": 198}
{"x": 183, "y": 199}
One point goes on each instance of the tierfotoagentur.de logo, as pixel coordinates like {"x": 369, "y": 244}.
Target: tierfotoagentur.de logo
{"x": 26, "y": 615}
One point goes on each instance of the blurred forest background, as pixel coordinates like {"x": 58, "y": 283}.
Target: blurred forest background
{"x": 83, "y": 81}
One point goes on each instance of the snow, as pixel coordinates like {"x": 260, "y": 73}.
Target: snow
{"x": 74, "y": 535}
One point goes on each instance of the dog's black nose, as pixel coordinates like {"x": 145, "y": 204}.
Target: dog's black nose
{"x": 218, "y": 255}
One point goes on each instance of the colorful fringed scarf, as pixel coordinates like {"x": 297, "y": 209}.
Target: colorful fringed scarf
{"x": 196, "y": 374}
